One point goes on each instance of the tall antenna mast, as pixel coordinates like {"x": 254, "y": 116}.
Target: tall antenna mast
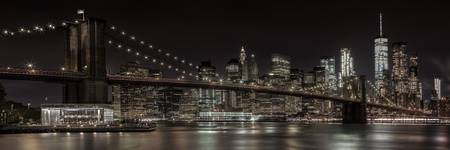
{"x": 381, "y": 24}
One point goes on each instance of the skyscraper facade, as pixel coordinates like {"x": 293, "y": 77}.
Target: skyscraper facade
{"x": 437, "y": 88}
{"x": 233, "y": 71}
{"x": 381, "y": 58}
{"x": 244, "y": 65}
{"x": 400, "y": 73}
{"x": 281, "y": 66}
{"x": 131, "y": 102}
{"x": 206, "y": 71}
{"x": 253, "y": 72}
{"x": 329, "y": 64}
{"x": 415, "y": 88}
{"x": 347, "y": 68}
{"x": 208, "y": 98}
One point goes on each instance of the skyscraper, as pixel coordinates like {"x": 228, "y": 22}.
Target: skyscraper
{"x": 400, "y": 73}
{"x": 233, "y": 71}
{"x": 281, "y": 66}
{"x": 414, "y": 83}
{"x": 381, "y": 57}
{"x": 437, "y": 88}
{"x": 329, "y": 64}
{"x": 244, "y": 64}
{"x": 347, "y": 68}
{"x": 134, "y": 101}
{"x": 207, "y": 71}
{"x": 253, "y": 71}
{"x": 399, "y": 61}
{"x": 208, "y": 98}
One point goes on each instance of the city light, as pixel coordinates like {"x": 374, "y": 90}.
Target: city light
{"x": 144, "y": 91}
{"x": 30, "y": 65}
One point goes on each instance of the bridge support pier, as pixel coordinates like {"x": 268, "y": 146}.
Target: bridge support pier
{"x": 85, "y": 53}
{"x": 356, "y": 112}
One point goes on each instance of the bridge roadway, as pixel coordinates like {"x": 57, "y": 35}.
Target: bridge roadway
{"x": 40, "y": 75}
{"x": 117, "y": 79}
{"x": 65, "y": 76}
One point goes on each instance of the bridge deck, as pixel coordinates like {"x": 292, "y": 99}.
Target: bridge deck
{"x": 64, "y": 76}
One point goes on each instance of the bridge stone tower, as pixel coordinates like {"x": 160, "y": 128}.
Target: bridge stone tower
{"x": 356, "y": 112}
{"x": 85, "y": 53}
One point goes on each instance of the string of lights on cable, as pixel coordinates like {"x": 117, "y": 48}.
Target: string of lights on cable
{"x": 147, "y": 45}
{"x": 141, "y": 55}
{"x": 24, "y": 30}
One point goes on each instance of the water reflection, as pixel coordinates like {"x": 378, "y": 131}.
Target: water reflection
{"x": 243, "y": 136}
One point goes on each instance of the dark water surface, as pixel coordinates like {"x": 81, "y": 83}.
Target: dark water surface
{"x": 243, "y": 136}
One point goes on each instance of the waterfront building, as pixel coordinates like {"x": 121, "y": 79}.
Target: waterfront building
{"x": 226, "y": 116}
{"x": 209, "y": 99}
{"x": 169, "y": 100}
{"x": 293, "y": 105}
{"x": 135, "y": 102}
{"x": 270, "y": 107}
{"x": 76, "y": 114}
{"x": 188, "y": 109}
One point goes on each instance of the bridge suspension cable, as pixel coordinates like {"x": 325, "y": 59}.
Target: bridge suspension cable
{"x": 26, "y": 30}
{"x": 161, "y": 63}
{"x": 146, "y": 45}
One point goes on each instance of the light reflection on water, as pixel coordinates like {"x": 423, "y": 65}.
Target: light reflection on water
{"x": 243, "y": 136}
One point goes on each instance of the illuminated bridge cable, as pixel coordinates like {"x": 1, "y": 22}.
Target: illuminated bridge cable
{"x": 160, "y": 63}
{"x": 139, "y": 54}
{"x": 155, "y": 55}
{"x": 147, "y": 45}
{"x": 27, "y": 30}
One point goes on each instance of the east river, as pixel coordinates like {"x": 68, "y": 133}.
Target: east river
{"x": 243, "y": 136}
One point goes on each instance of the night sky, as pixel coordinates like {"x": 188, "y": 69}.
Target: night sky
{"x": 207, "y": 30}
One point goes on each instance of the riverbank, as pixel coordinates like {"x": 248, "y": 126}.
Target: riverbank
{"x": 49, "y": 129}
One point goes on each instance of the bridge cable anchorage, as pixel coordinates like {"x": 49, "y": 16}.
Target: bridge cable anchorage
{"x": 144, "y": 44}
{"x": 162, "y": 63}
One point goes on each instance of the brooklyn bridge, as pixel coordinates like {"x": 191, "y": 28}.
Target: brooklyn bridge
{"x": 86, "y": 79}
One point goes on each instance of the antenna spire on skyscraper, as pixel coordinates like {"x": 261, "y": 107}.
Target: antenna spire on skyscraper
{"x": 381, "y": 24}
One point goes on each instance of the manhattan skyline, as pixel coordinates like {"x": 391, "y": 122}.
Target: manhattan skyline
{"x": 216, "y": 31}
